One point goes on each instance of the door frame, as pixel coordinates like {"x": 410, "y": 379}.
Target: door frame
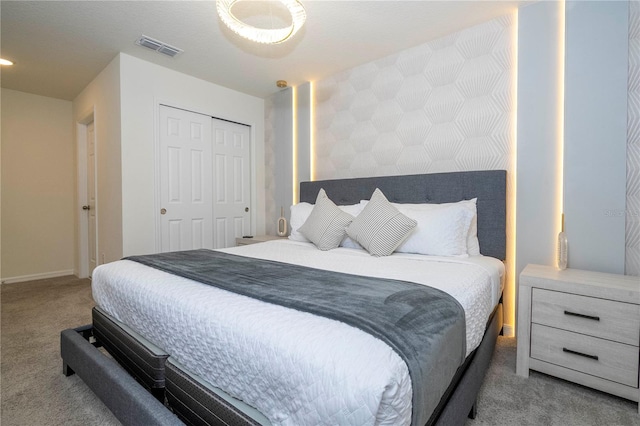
{"x": 83, "y": 220}
{"x": 158, "y": 102}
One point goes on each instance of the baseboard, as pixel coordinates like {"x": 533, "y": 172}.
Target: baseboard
{"x": 33, "y": 277}
{"x": 508, "y": 330}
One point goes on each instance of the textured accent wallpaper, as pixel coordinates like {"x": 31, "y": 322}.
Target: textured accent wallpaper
{"x": 632, "y": 261}
{"x": 270, "y": 167}
{"x": 442, "y": 106}
{"x": 447, "y": 105}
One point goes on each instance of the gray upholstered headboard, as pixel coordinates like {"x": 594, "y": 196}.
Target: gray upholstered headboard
{"x": 490, "y": 187}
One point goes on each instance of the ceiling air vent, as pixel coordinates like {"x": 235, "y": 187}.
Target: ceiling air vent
{"x": 158, "y": 46}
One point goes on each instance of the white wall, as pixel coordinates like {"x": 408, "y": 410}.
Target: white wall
{"x": 596, "y": 70}
{"x": 283, "y": 151}
{"x": 38, "y": 187}
{"x": 102, "y": 99}
{"x": 540, "y": 132}
{"x": 142, "y": 87}
{"x": 304, "y": 120}
{"x": 271, "y": 212}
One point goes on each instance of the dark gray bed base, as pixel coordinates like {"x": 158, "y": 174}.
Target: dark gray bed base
{"x": 144, "y": 363}
{"x": 133, "y": 403}
{"x": 196, "y": 405}
{"x": 127, "y": 399}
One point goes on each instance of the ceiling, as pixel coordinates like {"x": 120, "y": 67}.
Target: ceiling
{"x": 60, "y": 46}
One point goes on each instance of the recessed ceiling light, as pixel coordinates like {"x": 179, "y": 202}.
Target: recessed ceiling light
{"x": 5, "y": 62}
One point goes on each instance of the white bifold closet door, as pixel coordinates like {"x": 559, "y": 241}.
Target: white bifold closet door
{"x": 231, "y": 187}
{"x": 204, "y": 178}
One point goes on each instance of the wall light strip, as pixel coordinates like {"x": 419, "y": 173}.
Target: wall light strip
{"x": 560, "y": 123}
{"x": 294, "y": 147}
{"x": 312, "y": 131}
{"x": 510, "y": 284}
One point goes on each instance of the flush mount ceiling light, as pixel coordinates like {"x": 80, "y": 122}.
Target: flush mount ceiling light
{"x": 263, "y": 35}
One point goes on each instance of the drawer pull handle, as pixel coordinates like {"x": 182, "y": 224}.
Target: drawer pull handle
{"x": 594, "y": 357}
{"x": 575, "y": 314}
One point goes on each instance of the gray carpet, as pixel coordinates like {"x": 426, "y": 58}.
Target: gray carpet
{"x": 507, "y": 399}
{"x": 34, "y": 391}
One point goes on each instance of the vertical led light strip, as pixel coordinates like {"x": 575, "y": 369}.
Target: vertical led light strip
{"x": 294, "y": 147}
{"x": 560, "y": 129}
{"x": 510, "y": 317}
{"x": 312, "y": 131}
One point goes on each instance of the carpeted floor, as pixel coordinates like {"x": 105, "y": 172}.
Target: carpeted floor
{"x": 34, "y": 391}
{"x": 507, "y": 399}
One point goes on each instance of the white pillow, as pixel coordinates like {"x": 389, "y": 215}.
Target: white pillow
{"x": 326, "y": 224}
{"x": 354, "y": 210}
{"x": 441, "y": 231}
{"x": 473, "y": 245}
{"x": 380, "y": 228}
{"x": 300, "y": 213}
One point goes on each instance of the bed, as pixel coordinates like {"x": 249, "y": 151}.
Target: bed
{"x": 196, "y": 356}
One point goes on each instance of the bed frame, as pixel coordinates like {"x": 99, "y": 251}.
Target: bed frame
{"x": 144, "y": 385}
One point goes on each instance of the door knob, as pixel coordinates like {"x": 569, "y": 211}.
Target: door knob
{"x": 163, "y": 211}
{"x": 246, "y": 209}
{"x": 86, "y": 207}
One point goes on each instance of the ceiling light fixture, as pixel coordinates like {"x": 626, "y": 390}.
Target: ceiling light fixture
{"x": 263, "y": 35}
{"x": 5, "y": 62}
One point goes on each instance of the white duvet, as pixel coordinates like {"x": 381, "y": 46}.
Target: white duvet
{"x": 294, "y": 367}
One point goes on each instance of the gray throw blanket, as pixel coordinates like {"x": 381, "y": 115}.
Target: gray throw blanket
{"x": 424, "y": 325}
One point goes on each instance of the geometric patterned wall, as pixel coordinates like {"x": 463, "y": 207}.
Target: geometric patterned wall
{"x": 446, "y": 105}
{"x": 632, "y": 263}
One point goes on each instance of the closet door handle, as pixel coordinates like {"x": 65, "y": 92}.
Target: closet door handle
{"x": 575, "y": 314}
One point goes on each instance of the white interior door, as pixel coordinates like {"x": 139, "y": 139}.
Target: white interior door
{"x": 232, "y": 182}
{"x": 185, "y": 180}
{"x": 90, "y": 207}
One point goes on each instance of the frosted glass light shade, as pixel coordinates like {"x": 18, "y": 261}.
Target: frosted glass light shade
{"x": 263, "y": 35}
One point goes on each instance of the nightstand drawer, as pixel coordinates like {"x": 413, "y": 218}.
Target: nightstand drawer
{"x": 598, "y": 357}
{"x": 607, "y": 319}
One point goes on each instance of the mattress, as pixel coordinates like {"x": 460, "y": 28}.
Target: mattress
{"x": 294, "y": 367}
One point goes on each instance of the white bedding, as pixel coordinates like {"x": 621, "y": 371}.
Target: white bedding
{"x": 294, "y": 367}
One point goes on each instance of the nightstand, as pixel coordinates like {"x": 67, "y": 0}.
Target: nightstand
{"x": 257, "y": 239}
{"x": 580, "y": 326}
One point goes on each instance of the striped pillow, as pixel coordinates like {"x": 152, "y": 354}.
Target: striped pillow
{"x": 380, "y": 228}
{"x": 326, "y": 224}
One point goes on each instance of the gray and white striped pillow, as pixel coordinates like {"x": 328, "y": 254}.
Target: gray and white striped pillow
{"x": 326, "y": 224}
{"x": 380, "y": 227}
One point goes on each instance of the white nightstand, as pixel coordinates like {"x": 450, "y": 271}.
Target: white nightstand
{"x": 580, "y": 326}
{"x": 257, "y": 239}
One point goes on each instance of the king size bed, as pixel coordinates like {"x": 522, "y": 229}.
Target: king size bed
{"x": 285, "y": 333}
